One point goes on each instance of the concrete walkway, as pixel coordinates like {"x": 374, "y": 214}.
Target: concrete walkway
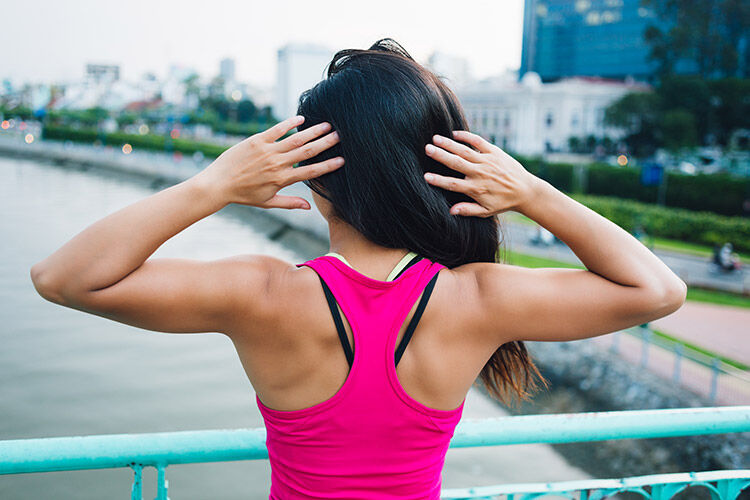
{"x": 722, "y": 329}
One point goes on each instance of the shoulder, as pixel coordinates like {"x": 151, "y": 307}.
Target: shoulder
{"x": 489, "y": 294}
{"x": 257, "y": 285}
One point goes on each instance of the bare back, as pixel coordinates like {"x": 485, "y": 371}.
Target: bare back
{"x": 300, "y": 361}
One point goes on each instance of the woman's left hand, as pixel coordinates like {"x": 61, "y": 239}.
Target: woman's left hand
{"x": 252, "y": 171}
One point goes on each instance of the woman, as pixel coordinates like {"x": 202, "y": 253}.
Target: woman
{"x": 350, "y": 411}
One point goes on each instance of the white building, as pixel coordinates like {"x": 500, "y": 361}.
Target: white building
{"x": 530, "y": 117}
{"x": 300, "y": 66}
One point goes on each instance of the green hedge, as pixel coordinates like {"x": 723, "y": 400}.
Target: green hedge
{"x": 149, "y": 141}
{"x": 685, "y": 225}
{"x": 719, "y": 193}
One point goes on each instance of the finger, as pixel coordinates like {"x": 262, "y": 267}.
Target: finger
{"x": 475, "y": 140}
{"x": 290, "y": 202}
{"x": 456, "y": 147}
{"x": 298, "y": 139}
{"x": 315, "y": 170}
{"x": 311, "y": 149}
{"x": 277, "y": 131}
{"x": 449, "y": 183}
{"x": 449, "y": 159}
{"x": 470, "y": 210}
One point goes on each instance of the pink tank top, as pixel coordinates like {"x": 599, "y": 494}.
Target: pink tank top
{"x": 370, "y": 440}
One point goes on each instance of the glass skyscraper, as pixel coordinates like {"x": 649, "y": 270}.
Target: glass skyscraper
{"x": 602, "y": 38}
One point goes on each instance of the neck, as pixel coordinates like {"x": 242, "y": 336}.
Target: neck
{"x": 366, "y": 256}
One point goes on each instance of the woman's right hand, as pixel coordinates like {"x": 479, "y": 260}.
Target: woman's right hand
{"x": 494, "y": 179}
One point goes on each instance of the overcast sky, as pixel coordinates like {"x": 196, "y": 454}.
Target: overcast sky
{"x": 52, "y": 40}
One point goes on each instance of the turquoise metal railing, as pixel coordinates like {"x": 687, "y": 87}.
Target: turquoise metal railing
{"x": 717, "y": 368}
{"x": 162, "y": 449}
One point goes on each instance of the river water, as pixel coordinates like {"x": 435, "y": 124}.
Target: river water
{"x": 68, "y": 373}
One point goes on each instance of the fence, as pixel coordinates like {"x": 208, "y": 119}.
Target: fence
{"x": 160, "y": 450}
{"x": 709, "y": 376}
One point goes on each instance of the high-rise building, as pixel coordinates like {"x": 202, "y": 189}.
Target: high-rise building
{"x": 300, "y": 66}
{"x": 586, "y": 38}
{"x": 226, "y": 70}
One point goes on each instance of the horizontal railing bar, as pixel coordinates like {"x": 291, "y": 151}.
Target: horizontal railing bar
{"x": 183, "y": 447}
{"x": 593, "y": 484}
{"x": 123, "y": 450}
{"x": 599, "y": 426}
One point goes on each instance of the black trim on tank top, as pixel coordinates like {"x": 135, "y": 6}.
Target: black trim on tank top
{"x": 415, "y": 319}
{"x": 333, "y": 306}
{"x": 339, "y": 323}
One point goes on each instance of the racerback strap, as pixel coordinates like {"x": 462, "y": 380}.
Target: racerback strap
{"x": 341, "y": 330}
{"x": 415, "y": 319}
{"x": 333, "y": 306}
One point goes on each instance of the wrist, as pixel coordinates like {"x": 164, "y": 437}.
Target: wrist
{"x": 207, "y": 191}
{"x": 538, "y": 189}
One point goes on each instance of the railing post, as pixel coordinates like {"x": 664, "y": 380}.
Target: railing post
{"x": 714, "y": 379}
{"x": 137, "y": 490}
{"x": 677, "y": 358}
{"x": 645, "y": 340}
{"x": 161, "y": 483}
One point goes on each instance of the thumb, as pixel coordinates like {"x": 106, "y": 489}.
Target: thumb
{"x": 470, "y": 210}
{"x": 290, "y": 202}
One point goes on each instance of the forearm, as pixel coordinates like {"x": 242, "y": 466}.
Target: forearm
{"x": 113, "y": 247}
{"x": 604, "y": 247}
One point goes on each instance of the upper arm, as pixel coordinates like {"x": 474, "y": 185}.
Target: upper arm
{"x": 556, "y": 304}
{"x": 185, "y": 296}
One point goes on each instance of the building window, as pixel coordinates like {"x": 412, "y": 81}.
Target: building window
{"x": 492, "y": 139}
{"x": 506, "y": 121}
{"x": 550, "y": 120}
{"x": 574, "y": 120}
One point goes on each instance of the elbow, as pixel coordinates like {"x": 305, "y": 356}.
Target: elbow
{"x": 44, "y": 285}
{"x": 673, "y": 296}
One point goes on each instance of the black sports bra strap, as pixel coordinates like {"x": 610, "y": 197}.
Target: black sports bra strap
{"x": 339, "y": 324}
{"x": 415, "y": 319}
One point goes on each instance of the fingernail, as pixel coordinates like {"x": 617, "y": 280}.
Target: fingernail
{"x": 335, "y": 135}
{"x": 429, "y": 177}
{"x": 339, "y": 161}
{"x": 430, "y": 148}
{"x": 436, "y": 138}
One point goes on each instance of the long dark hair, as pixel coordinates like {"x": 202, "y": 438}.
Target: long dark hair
{"x": 386, "y": 107}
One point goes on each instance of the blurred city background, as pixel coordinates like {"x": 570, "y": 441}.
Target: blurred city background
{"x": 639, "y": 109}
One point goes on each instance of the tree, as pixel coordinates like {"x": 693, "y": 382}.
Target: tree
{"x": 638, "y": 113}
{"x": 678, "y": 129}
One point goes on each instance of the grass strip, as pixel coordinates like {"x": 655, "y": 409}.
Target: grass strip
{"x": 701, "y": 350}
